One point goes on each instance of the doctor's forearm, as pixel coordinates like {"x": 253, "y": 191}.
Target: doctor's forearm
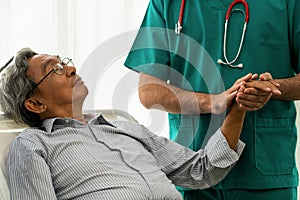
{"x": 155, "y": 93}
{"x": 174, "y": 100}
{"x": 289, "y": 87}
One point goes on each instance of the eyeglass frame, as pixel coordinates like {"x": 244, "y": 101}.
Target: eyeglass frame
{"x": 6, "y": 64}
{"x": 60, "y": 65}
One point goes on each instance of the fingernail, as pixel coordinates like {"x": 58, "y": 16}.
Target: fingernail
{"x": 269, "y": 89}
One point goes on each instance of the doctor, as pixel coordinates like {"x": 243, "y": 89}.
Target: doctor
{"x": 190, "y": 52}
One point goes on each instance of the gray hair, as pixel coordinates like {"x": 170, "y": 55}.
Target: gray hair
{"x": 16, "y": 87}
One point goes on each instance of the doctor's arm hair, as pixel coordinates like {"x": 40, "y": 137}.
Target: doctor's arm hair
{"x": 158, "y": 94}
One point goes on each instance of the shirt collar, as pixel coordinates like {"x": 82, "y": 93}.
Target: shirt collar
{"x": 54, "y": 124}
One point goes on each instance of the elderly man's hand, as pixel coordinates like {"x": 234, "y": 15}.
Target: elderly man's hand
{"x": 220, "y": 102}
{"x": 254, "y": 94}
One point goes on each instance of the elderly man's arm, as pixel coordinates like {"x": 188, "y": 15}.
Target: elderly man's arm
{"x": 219, "y": 156}
{"x": 206, "y": 167}
{"x": 28, "y": 174}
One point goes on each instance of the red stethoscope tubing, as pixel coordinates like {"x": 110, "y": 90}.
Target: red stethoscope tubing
{"x": 181, "y": 11}
{"x": 233, "y": 4}
{"x": 226, "y": 61}
{"x": 179, "y": 23}
{"x": 178, "y": 28}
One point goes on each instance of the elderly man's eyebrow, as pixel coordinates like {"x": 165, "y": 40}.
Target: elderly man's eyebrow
{"x": 50, "y": 60}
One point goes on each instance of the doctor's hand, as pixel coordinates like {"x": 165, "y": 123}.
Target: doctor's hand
{"x": 220, "y": 102}
{"x": 256, "y": 93}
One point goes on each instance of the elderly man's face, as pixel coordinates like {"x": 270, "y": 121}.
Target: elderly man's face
{"x": 57, "y": 91}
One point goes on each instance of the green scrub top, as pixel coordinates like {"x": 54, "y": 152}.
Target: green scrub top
{"x": 189, "y": 61}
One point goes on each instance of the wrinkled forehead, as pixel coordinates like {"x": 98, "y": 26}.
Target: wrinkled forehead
{"x": 38, "y": 64}
{"x": 41, "y": 61}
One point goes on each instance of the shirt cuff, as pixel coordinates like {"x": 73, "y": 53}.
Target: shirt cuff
{"x": 219, "y": 152}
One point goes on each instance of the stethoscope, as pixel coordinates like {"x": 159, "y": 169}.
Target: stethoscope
{"x": 178, "y": 28}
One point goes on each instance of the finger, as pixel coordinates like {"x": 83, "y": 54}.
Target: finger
{"x": 247, "y": 77}
{"x": 264, "y": 85}
{"x": 246, "y": 105}
{"x": 231, "y": 96}
{"x": 254, "y": 105}
{"x": 256, "y": 92}
{"x": 252, "y": 98}
{"x": 246, "y": 108}
{"x": 275, "y": 83}
{"x": 266, "y": 76}
{"x": 242, "y": 88}
{"x": 235, "y": 87}
{"x": 254, "y": 76}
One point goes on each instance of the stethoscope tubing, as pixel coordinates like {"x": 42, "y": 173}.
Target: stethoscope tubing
{"x": 227, "y": 62}
{"x": 233, "y": 4}
{"x": 228, "y": 13}
{"x": 178, "y": 25}
{"x": 178, "y": 28}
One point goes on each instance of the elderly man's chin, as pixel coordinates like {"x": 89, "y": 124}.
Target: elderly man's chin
{"x": 80, "y": 93}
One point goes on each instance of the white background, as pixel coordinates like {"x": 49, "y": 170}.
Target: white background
{"x": 76, "y": 28}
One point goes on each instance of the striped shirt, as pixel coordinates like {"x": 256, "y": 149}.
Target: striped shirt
{"x": 120, "y": 160}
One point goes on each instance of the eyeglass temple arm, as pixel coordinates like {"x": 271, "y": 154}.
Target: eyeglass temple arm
{"x": 6, "y": 64}
{"x": 44, "y": 77}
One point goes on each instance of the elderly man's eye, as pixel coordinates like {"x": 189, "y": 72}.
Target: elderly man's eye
{"x": 58, "y": 68}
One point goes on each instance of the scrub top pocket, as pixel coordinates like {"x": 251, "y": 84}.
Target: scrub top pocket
{"x": 274, "y": 146}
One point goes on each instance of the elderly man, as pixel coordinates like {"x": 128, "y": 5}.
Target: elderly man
{"x": 68, "y": 155}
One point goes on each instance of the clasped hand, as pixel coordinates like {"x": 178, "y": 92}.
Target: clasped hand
{"x": 250, "y": 93}
{"x": 255, "y": 93}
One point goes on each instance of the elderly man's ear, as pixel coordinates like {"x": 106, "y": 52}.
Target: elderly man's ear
{"x": 35, "y": 106}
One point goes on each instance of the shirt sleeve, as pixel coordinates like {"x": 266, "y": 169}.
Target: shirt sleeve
{"x": 28, "y": 174}
{"x": 198, "y": 170}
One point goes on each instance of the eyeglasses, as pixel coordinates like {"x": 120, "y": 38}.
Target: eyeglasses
{"x": 58, "y": 69}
